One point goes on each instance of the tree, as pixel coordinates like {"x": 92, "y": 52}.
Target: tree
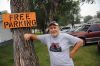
{"x": 24, "y": 52}
{"x": 0, "y": 13}
{"x": 77, "y": 19}
{"x": 87, "y": 1}
{"x": 55, "y": 9}
{"x": 4, "y": 12}
{"x": 98, "y": 14}
{"x": 87, "y": 18}
{"x": 48, "y": 10}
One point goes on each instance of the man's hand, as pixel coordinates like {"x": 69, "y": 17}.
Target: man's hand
{"x": 27, "y": 36}
{"x": 75, "y": 48}
{"x": 72, "y": 54}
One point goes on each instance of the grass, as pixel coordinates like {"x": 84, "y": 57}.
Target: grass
{"x": 6, "y": 55}
{"x": 42, "y": 53}
{"x": 86, "y": 56}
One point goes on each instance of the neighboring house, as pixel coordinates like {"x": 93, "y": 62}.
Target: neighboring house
{"x": 5, "y": 34}
{"x": 94, "y": 20}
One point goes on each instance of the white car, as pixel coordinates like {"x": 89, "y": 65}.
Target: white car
{"x": 66, "y": 29}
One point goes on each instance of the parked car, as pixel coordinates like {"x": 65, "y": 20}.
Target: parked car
{"x": 66, "y": 29}
{"x": 90, "y": 33}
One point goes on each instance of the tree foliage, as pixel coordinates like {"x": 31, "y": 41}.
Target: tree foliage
{"x": 87, "y": 18}
{"x": 48, "y": 10}
{"x": 87, "y": 1}
{"x": 98, "y": 14}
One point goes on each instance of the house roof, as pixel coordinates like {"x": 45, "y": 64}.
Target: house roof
{"x": 94, "y": 20}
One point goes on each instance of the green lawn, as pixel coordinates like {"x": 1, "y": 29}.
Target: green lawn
{"x": 86, "y": 56}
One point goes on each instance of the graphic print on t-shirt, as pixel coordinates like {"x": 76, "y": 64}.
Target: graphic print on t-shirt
{"x": 55, "y": 47}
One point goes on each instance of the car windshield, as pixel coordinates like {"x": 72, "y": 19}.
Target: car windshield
{"x": 83, "y": 28}
{"x": 64, "y": 28}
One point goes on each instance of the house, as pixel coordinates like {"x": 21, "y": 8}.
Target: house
{"x": 5, "y": 34}
{"x": 94, "y": 20}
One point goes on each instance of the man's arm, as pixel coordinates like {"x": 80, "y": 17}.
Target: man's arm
{"x": 75, "y": 48}
{"x": 28, "y": 36}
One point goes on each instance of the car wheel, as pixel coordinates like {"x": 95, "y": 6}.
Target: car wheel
{"x": 98, "y": 46}
{"x": 84, "y": 42}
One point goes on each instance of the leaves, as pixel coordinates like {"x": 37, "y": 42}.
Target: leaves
{"x": 48, "y": 10}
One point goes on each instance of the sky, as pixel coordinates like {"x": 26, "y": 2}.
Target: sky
{"x": 90, "y": 9}
{"x": 5, "y": 5}
{"x": 86, "y": 9}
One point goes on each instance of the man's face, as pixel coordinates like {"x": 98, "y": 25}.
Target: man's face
{"x": 54, "y": 30}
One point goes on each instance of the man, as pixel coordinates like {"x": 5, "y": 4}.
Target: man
{"x": 58, "y": 45}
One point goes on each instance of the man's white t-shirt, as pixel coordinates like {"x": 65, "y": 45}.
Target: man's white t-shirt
{"x": 58, "y": 48}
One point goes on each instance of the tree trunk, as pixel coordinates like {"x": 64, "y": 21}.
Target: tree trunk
{"x": 24, "y": 52}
